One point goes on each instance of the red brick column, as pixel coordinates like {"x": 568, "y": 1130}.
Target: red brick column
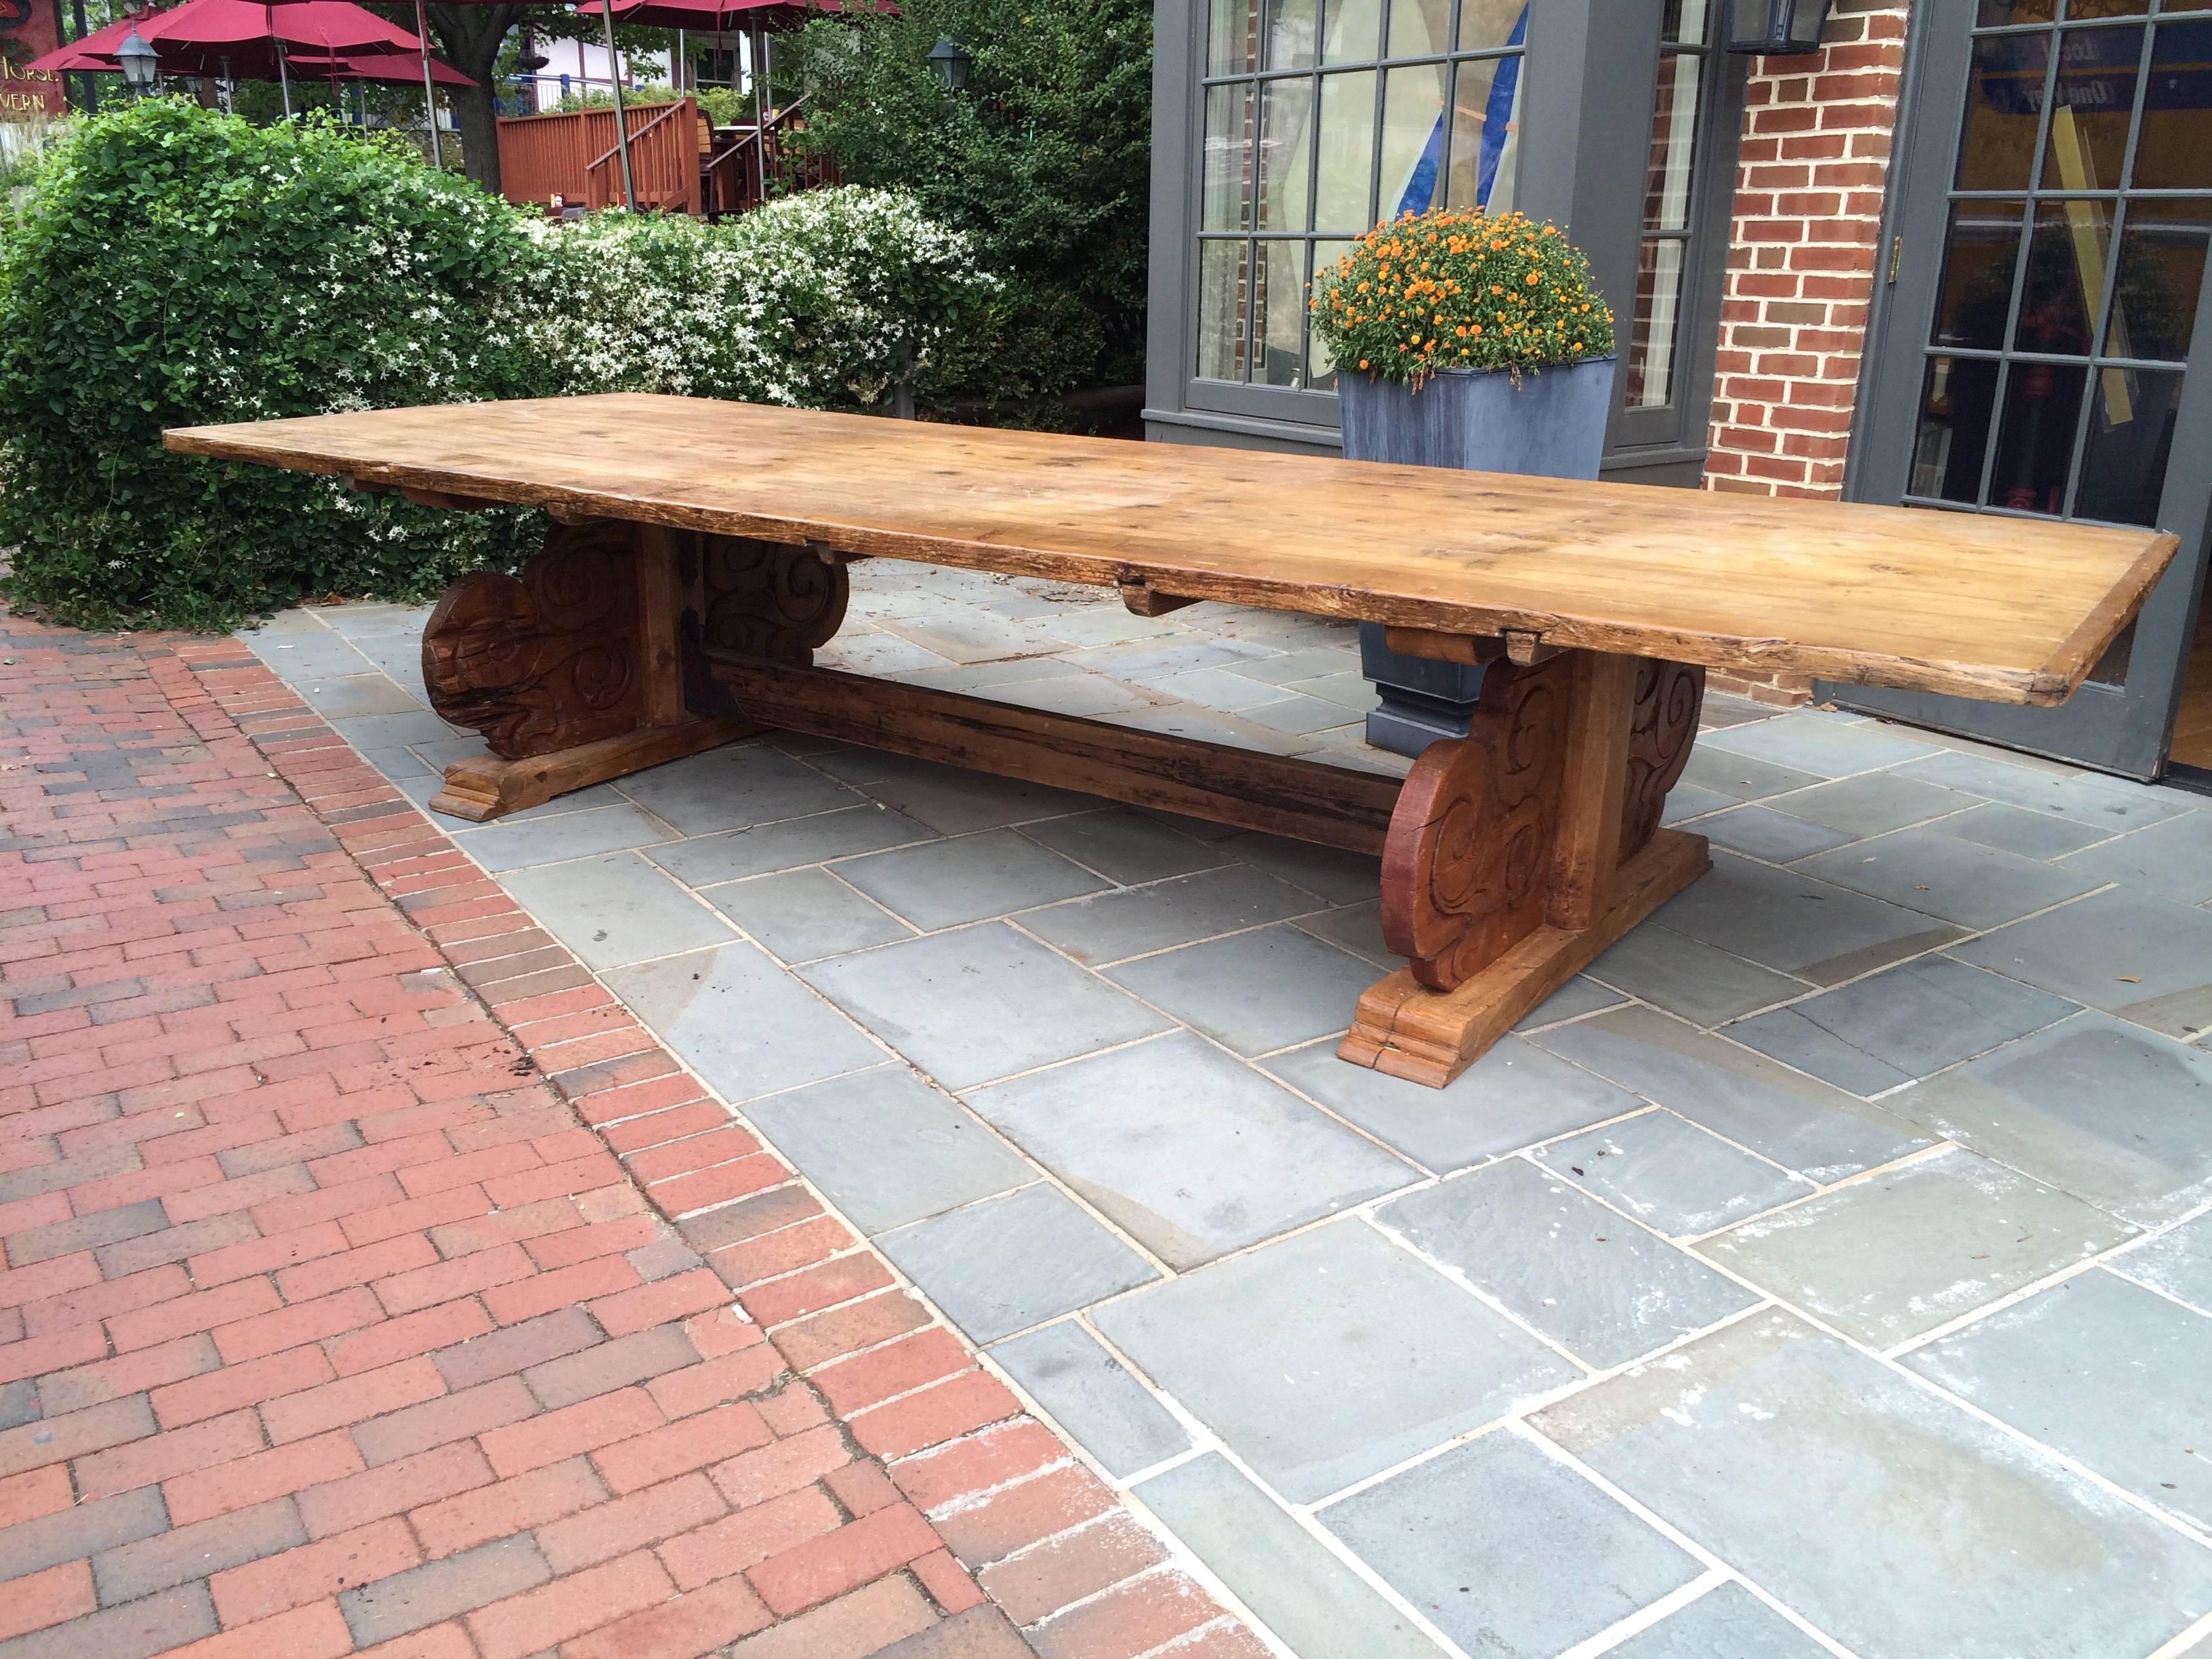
{"x": 1803, "y": 255}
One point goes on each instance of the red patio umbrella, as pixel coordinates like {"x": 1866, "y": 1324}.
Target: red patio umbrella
{"x": 190, "y": 37}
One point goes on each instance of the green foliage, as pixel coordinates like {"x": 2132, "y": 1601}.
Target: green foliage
{"x": 725, "y": 107}
{"x": 821, "y": 301}
{"x": 1044, "y": 159}
{"x": 179, "y": 267}
{"x": 1447, "y": 289}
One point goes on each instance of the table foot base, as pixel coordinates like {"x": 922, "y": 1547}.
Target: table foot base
{"x": 1404, "y": 1029}
{"x": 483, "y": 786}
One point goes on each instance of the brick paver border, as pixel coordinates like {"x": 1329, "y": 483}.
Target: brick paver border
{"x": 1046, "y": 1538}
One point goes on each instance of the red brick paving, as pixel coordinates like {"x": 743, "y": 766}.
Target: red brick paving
{"x": 328, "y": 1326}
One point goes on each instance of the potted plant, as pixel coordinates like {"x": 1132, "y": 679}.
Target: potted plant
{"x": 1471, "y": 340}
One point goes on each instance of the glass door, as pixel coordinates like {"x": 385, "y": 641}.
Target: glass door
{"x": 2046, "y": 326}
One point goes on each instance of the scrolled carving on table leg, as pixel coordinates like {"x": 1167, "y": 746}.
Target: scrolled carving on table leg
{"x": 548, "y": 659}
{"x": 769, "y": 599}
{"x": 1664, "y": 724}
{"x": 1466, "y": 871}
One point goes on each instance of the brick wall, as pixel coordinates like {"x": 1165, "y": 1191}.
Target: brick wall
{"x": 1803, "y": 260}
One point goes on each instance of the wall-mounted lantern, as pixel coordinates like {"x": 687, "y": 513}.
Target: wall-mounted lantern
{"x": 1776, "y": 27}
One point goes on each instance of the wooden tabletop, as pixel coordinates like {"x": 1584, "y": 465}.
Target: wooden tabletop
{"x": 2003, "y": 609}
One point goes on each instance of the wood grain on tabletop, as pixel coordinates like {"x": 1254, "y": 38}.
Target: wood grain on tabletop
{"x": 2003, "y": 609}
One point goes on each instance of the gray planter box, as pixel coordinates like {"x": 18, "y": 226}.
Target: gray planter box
{"x": 1552, "y": 425}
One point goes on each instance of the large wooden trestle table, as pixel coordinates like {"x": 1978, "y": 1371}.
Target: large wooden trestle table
{"x": 698, "y": 554}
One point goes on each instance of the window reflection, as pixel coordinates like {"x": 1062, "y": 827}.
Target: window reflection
{"x": 1981, "y": 256}
{"x": 2162, "y": 259}
{"x": 2091, "y": 108}
{"x": 2004, "y": 106}
{"x": 1292, "y": 157}
{"x": 2130, "y": 438}
{"x": 2035, "y": 438}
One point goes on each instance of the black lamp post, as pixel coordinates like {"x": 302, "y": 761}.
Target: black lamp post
{"x": 1776, "y": 27}
{"x": 949, "y": 61}
{"x": 139, "y": 64}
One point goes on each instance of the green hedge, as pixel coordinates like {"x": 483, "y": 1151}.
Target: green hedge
{"x": 178, "y": 267}
{"x": 181, "y": 267}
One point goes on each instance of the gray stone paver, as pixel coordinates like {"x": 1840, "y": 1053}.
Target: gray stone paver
{"x": 1507, "y": 1550}
{"x": 1907, "y": 1251}
{"x": 1093, "y": 1397}
{"x": 1334, "y": 1354}
{"x": 1894, "y": 1521}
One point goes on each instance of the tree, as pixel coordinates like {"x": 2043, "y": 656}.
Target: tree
{"x": 1045, "y": 156}
{"x": 469, "y": 37}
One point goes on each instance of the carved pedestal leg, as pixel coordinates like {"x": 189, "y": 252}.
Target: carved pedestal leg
{"x": 1518, "y": 854}
{"x": 590, "y": 665}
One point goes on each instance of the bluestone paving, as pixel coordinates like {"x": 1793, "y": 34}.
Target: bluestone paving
{"x": 2178, "y": 1262}
{"x": 957, "y": 803}
{"x": 1307, "y": 1596}
{"x": 1109, "y": 928}
{"x": 1809, "y": 1467}
{"x": 2172, "y": 859}
{"x": 1903, "y": 1251}
{"x": 1578, "y": 996}
{"x": 1960, "y": 881}
{"x": 1726, "y": 1622}
{"x": 1124, "y": 845}
{"x": 980, "y": 1003}
{"x": 1763, "y": 833}
{"x": 1672, "y": 1175}
{"x": 1339, "y": 877}
{"x": 2093, "y": 802}
{"x": 2016, "y": 830}
{"x": 1008, "y": 1263}
{"x": 1259, "y": 1346}
{"x": 2097, "y": 1108}
{"x": 1730, "y": 776}
{"x": 1872, "y": 803}
{"x": 614, "y": 909}
{"x": 1311, "y": 988}
{"x": 1597, "y": 1285}
{"x": 887, "y": 1149}
{"x": 1091, "y": 1396}
{"x": 1357, "y": 928}
{"x": 342, "y": 697}
{"x": 1820, "y": 1132}
{"x": 1904, "y": 1023}
{"x": 503, "y": 847}
{"x": 1261, "y": 1349}
{"x": 1508, "y": 1551}
{"x": 944, "y": 884}
{"x": 1700, "y": 982}
{"x": 1515, "y": 1094}
{"x": 742, "y": 1023}
{"x": 2130, "y": 953}
{"x": 1794, "y": 924}
{"x": 1191, "y": 1153}
{"x": 771, "y": 846}
{"x": 1816, "y": 742}
{"x": 803, "y": 914}
{"x": 2053, "y": 1366}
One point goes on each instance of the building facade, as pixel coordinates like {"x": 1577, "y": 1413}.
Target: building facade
{"x": 1955, "y": 258}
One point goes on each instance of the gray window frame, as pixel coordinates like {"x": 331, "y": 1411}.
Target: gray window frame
{"x": 1589, "y": 85}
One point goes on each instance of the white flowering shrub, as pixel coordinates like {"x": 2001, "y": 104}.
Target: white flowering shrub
{"x": 824, "y": 300}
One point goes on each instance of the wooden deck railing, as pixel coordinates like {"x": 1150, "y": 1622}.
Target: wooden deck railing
{"x": 732, "y": 179}
{"x": 572, "y": 153}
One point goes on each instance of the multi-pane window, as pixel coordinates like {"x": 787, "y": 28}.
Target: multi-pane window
{"x": 1656, "y": 319}
{"x": 2079, "y": 217}
{"x": 1324, "y": 117}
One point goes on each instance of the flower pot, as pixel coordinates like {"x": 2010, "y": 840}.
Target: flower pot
{"x": 1550, "y": 425}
